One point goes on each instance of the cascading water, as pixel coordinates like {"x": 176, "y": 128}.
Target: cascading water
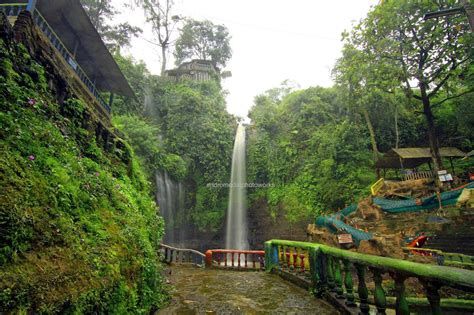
{"x": 236, "y": 229}
{"x": 170, "y": 198}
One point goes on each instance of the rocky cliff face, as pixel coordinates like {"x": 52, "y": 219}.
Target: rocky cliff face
{"x": 263, "y": 227}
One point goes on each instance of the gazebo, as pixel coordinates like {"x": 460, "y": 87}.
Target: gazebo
{"x": 410, "y": 158}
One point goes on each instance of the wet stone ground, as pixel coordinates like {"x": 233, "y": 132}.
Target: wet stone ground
{"x": 204, "y": 291}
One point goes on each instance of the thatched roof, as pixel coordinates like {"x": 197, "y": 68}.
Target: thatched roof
{"x": 413, "y": 157}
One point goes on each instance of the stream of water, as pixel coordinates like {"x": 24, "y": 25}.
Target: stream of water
{"x": 236, "y": 228}
{"x": 170, "y": 198}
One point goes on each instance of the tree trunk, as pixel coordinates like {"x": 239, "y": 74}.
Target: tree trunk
{"x": 163, "y": 59}
{"x": 373, "y": 141}
{"x": 397, "y": 133}
{"x": 469, "y": 9}
{"x": 433, "y": 139}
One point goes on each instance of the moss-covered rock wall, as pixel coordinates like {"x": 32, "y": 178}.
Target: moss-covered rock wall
{"x": 79, "y": 231}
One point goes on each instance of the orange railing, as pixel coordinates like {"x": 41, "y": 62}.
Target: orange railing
{"x": 233, "y": 258}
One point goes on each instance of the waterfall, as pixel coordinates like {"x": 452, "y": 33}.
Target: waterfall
{"x": 170, "y": 198}
{"x": 236, "y": 229}
{"x": 182, "y": 216}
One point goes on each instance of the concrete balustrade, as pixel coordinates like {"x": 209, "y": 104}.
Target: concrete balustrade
{"x": 237, "y": 259}
{"x": 170, "y": 255}
{"x": 331, "y": 272}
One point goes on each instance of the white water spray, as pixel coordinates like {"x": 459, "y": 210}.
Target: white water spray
{"x": 236, "y": 229}
{"x": 170, "y": 198}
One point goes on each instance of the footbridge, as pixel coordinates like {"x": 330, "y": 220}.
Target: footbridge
{"x": 340, "y": 281}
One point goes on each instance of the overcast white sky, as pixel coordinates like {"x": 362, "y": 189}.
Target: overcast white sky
{"x": 272, "y": 40}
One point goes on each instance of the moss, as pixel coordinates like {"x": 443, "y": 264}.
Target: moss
{"x": 79, "y": 231}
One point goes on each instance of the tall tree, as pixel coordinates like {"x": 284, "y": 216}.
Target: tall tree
{"x": 355, "y": 74}
{"x": 204, "y": 40}
{"x": 428, "y": 55}
{"x": 159, "y": 14}
{"x": 101, "y": 12}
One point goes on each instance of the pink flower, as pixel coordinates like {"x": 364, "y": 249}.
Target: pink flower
{"x": 97, "y": 174}
{"x": 31, "y": 101}
{"x": 31, "y": 157}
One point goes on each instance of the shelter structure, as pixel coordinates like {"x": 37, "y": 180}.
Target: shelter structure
{"x": 197, "y": 70}
{"x": 411, "y": 158}
{"x": 68, "y": 28}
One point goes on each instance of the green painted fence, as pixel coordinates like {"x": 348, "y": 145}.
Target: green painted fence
{"x": 332, "y": 269}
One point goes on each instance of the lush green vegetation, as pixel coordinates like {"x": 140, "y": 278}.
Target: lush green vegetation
{"x": 79, "y": 230}
{"x": 317, "y": 146}
{"x": 308, "y": 146}
{"x": 195, "y": 125}
{"x": 395, "y": 50}
{"x": 183, "y": 129}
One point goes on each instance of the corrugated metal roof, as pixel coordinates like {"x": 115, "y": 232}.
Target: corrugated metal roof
{"x": 416, "y": 153}
{"x": 413, "y": 157}
{"x": 71, "y": 23}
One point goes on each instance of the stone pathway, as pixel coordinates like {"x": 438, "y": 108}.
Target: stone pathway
{"x": 204, "y": 291}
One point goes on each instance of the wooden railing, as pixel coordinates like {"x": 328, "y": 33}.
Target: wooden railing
{"x": 238, "y": 259}
{"x": 176, "y": 255}
{"x": 419, "y": 175}
{"x": 332, "y": 270}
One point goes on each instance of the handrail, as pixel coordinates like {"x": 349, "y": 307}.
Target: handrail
{"x": 231, "y": 258}
{"x": 55, "y": 40}
{"x": 327, "y": 274}
{"x": 419, "y": 175}
{"x": 183, "y": 249}
{"x": 12, "y": 9}
{"x": 68, "y": 56}
{"x": 374, "y": 189}
{"x": 182, "y": 255}
{"x": 443, "y": 257}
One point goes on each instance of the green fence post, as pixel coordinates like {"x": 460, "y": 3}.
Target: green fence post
{"x": 362, "y": 290}
{"x": 348, "y": 283}
{"x": 316, "y": 269}
{"x": 401, "y": 305}
{"x": 330, "y": 273}
{"x": 379, "y": 293}
{"x": 271, "y": 256}
{"x": 338, "y": 278}
{"x": 433, "y": 297}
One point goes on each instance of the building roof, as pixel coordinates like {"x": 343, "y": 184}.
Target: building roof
{"x": 413, "y": 157}
{"x": 181, "y": 69}
{"x": 70, "y": 22}
{"x": 470, "y": 154}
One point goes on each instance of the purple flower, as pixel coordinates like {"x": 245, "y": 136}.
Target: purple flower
{"x": 31, "y": 157}
{"x": 31, "y": 102}
{"x": 97, "y": 174}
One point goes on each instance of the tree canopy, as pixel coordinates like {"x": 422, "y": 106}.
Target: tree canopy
{"x": 159, "y": 13}
{"x": 203, "y": 40}
{"x": 394, "y": 47}
{"x": 101, "y": 12}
